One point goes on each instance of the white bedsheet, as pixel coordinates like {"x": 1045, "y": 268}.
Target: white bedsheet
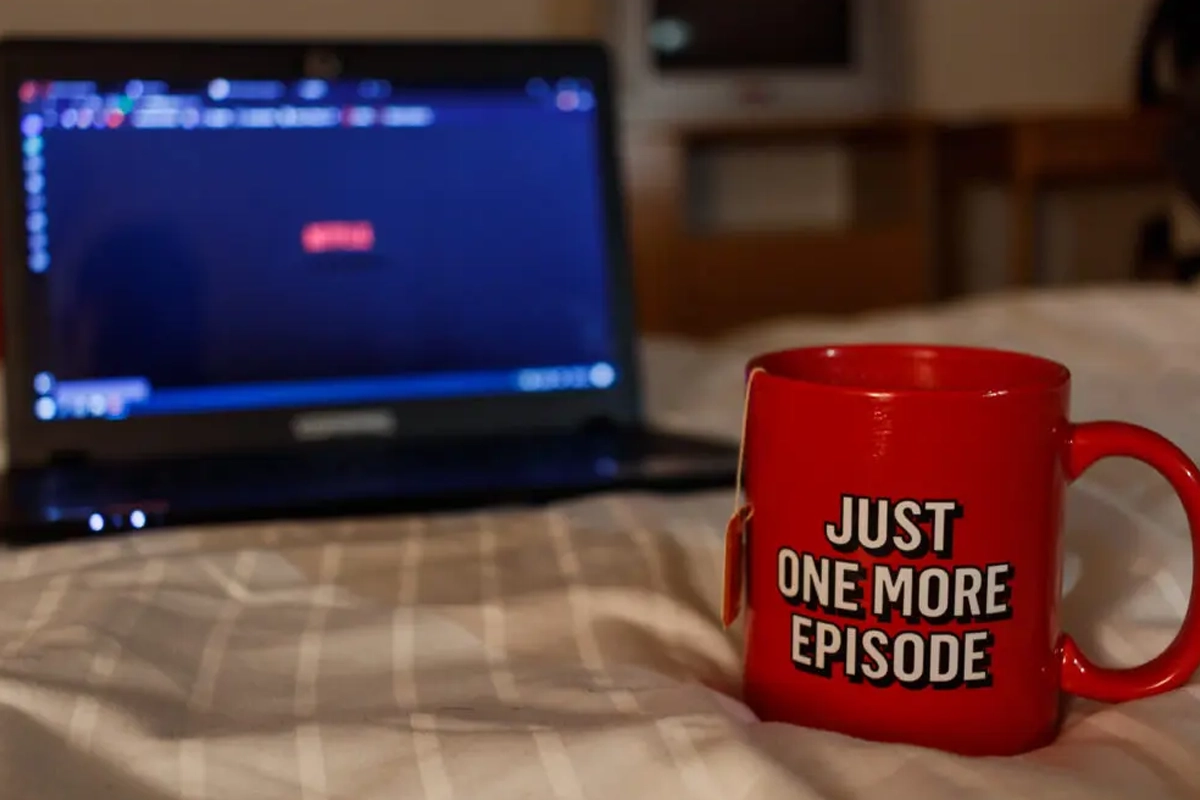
{"x": 572, "y": 652}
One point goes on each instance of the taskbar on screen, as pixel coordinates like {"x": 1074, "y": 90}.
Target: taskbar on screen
{"x": 122, "y": 398}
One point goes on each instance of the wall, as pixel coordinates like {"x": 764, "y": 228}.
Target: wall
{"x": 977, "y": 56}
{"x": 302, "y": 17}
{"x": 967, "y": 56}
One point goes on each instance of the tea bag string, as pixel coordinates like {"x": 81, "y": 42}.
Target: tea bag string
{"x": 741, "y": 460}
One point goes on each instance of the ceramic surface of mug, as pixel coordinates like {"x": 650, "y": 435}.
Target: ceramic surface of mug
{"x": 902, "y": 545}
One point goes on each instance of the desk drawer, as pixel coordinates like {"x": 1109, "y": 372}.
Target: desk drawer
{"x": 1094, "y": 147}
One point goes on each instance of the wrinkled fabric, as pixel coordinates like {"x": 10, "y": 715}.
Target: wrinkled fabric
{"x": 574, "y": 651}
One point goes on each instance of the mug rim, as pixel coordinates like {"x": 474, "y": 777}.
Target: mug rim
{"x": 1043, "y": 374}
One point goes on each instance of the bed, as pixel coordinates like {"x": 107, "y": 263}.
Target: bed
{"x": 573, "y": 651}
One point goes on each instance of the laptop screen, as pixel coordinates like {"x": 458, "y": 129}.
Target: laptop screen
{"x": 251, "y": 245}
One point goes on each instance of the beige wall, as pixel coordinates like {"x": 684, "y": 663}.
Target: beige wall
{"x": 302, "y": 17}
{"x": 971, "y": 56}
{"x": 966, "y": 56}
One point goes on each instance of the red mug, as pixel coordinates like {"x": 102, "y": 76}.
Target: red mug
{"x": 901, "y": 546}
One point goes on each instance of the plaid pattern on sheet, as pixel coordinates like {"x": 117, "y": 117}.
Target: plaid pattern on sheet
{"x": 571, "y": 652}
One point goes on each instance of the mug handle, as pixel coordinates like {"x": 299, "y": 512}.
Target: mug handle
{"x": 1087, "y": 444}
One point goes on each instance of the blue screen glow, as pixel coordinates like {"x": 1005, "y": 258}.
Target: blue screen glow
{"x": 242, "y": 245}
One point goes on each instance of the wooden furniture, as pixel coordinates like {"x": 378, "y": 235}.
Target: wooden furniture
{"x": 704, "y": 283}
{"x": 701, "y": 283}
{"x": 1029, "y": 155}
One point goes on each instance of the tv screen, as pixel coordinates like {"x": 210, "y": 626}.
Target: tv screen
{"x": 697, "y": 35}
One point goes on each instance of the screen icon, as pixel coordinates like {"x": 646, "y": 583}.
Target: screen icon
{"x": 33, "y": 146}
{"x": 96, "y": 523}
{"x": 39, "y": 261}
{"x": 529, "y": 380}
{"x": 338, "y": 236}
{"x": 603, "y": 375}
{"x": 97, "y": 405}
{"x": 36, "y": 222}
{"x": 407, "y": 116}
{"x": 374, "y": 90}
{"x": 219, "y": 90}
{"x": 362, "y": 116}
{"x": 32, "y": 125}
{"x": 287, "y": 117}
{"x": 45, "y": 408}
{"x": 137, "y": 518}
{"x": 568, "y": 100}
{"x": 219, "y": 118}
{"x": 312, "y": 90}
{"x": 43, "y": 383}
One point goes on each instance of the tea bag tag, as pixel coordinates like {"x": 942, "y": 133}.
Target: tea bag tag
{"x": 735, "y": 564}
{"x": 736, "y": 530}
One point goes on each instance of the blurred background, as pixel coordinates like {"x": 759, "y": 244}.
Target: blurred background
{"x": 826, "y": 156}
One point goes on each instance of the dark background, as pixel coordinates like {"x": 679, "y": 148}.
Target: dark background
{"x": 759, "y": 34}
{"x": 176, "y": 255}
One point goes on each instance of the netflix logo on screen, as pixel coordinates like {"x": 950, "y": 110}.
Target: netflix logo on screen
{"x": 338, "y": 237}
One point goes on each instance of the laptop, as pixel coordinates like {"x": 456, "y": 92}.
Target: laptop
{"x": 252, "y": 280}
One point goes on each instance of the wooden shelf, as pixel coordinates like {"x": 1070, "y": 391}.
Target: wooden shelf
{"x": 1029, "y": 154}
{"x": 727, "y": 281}
{"x": 792, "y": 240}
{"x": 701, "y": 284}
{"x": 752, "y": 129}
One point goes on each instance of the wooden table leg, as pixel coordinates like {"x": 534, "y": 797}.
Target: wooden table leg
{"x": 1023, "y": 233}
{"x": 1023, "y": 207}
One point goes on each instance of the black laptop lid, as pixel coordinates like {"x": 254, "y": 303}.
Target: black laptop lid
{"x": 213, "y": 246}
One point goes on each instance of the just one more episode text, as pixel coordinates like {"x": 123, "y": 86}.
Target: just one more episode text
{"x": 938, "y": 612}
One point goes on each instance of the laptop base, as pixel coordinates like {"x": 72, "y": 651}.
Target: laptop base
{"x": 88, "y": 500}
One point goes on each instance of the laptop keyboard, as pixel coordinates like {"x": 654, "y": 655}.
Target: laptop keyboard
{"x": 349, "y": 472}
{"x": 68, "y": 501}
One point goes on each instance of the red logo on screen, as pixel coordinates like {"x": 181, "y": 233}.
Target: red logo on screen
{"x": 338, "y": 237}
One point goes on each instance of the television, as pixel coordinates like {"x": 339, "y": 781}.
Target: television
{"x": 718, "y": 59}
